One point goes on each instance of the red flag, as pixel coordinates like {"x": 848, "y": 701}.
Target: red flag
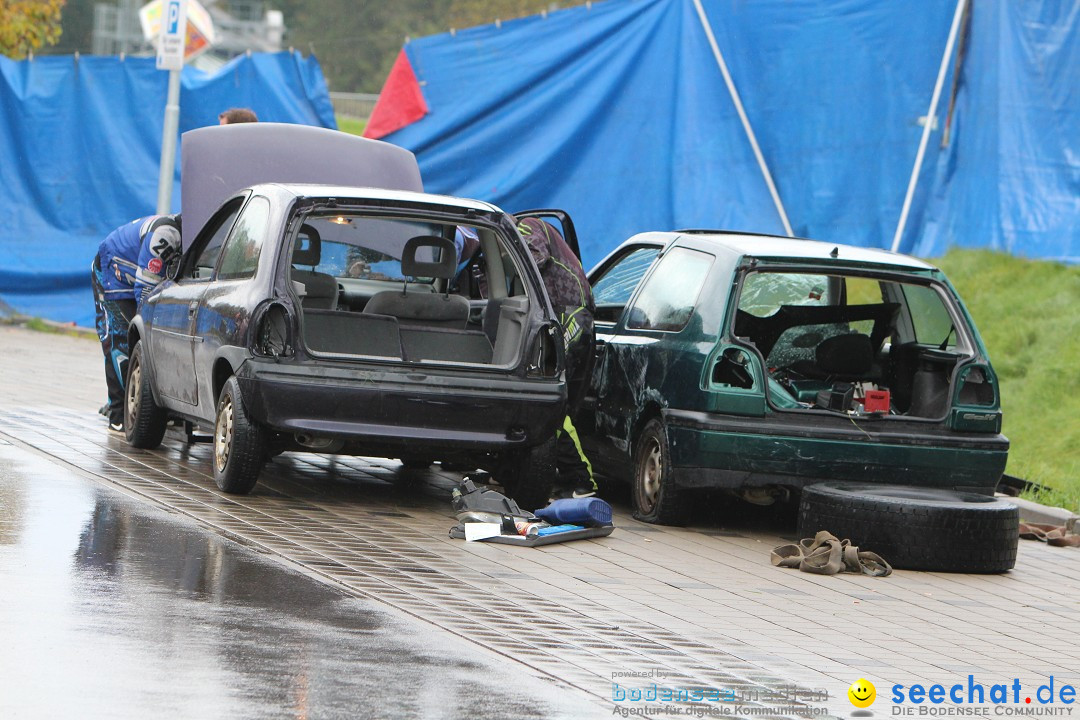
{"x": 400, "y": 103}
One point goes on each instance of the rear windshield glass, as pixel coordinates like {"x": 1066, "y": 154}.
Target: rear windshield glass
{"x": 369, "y": 248}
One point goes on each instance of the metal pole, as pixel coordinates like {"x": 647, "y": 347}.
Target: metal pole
{"x": 168, "y": 145}
{"x": 742, "y": 116}
{"x": 928, "y": 126}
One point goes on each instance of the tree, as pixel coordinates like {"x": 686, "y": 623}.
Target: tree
{"x": 26, "y": 25}
{"x": 77, "y": 29}
{"x": 466, "y": 13}
{"x": 357, "y": 41}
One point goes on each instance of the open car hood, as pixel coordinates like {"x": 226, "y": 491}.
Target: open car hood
{"x": 221, "y": 159}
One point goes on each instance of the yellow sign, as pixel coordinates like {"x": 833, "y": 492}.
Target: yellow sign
{"x": 200, "y": 27}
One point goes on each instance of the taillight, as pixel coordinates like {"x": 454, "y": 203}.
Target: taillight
{"x": 975, "y": 407}
{"x": 546, "y": 352}
{"x": 976, "y": 386}
{"x": 273, "y": 332}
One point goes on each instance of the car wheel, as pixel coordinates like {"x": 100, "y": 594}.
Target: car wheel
{"x": 240, "y": 445}
{"x": 144, "y": 421}
{"x": 526, "y": 475}
{"x": 656, "y": 497}
{"x": 916, "y": 528}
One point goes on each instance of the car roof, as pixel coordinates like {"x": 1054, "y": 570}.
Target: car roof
{"x": 772, "y": 247}
{"x": 312, "y": 190}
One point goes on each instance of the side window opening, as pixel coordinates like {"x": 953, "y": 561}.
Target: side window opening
{"x": 613, "y": 289}
{"x": 203, "y": 256}
{"x": 240, "y": 254}
{"x": 929, "y": 318}
{"x": 668, "y": 298}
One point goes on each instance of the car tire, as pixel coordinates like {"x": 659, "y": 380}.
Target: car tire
{"x": 527, "y": 475}
{"x": 240, "y": 445}
{"x": 916, "y": 528}
{"x": 657, "y": 499}
{"x": 417, "y": 462}
{"x": 144, "y": 420}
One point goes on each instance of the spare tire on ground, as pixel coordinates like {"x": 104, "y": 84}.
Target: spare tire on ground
{"x": 916, "y": 528}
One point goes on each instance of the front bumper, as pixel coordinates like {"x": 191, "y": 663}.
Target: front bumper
{"x": 713, "y": 451}
{"x": 407, "y": 409}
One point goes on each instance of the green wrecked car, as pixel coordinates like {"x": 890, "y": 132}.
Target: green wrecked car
{"x": 761, "y": 364}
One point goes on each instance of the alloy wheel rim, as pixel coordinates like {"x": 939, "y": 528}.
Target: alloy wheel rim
{"x": 652, "y": 471}
{"x": 134, "y": 382}
{"x": 223, "y": 434}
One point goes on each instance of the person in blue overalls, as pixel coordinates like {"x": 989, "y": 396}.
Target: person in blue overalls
{"x": 130, "y": 262}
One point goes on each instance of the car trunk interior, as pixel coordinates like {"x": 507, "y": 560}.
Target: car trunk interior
{"x": 404, "y": 289}
{"x": 855, "y": 345}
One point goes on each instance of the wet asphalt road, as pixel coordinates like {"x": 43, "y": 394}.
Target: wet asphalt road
{"x": 112, "y": 608}
{"x": 131, "y": 587}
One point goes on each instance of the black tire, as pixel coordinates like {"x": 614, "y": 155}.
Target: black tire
{"x": 916, "y": 528}
{"x": 144, "y": 420}
{"x": 240, "y": 445}
{"x": 657, "y": 499}
{"x": 527, "y": 475}
{"x": 417, "y": 462}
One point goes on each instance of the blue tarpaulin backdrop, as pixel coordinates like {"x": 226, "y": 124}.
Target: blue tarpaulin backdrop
{"x": 80, "y": 144}
{"x": 618, "y": 113}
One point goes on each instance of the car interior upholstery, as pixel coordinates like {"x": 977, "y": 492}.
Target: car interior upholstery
{"x": 419, "y": 320}
{"x": 320, "y": 290}
{"x": 441, "y": 310}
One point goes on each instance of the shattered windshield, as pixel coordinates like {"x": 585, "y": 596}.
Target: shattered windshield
{"x": 764, "y": 293}
{"x": 788, "y": 315}
{"x": 617, "y": 285}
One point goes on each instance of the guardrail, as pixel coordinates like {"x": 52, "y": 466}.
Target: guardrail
{"x": 353, "y": 105}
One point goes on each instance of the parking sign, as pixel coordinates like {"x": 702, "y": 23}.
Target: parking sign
{"x": 173, "y": 34}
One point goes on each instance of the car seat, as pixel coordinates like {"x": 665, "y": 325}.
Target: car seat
{"x": 424, "y": 308}
{"x": 847, "y": 357}
{"x": 320, "y": 289}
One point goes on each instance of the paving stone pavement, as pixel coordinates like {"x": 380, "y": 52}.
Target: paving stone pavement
{"x": 700, "y": 604}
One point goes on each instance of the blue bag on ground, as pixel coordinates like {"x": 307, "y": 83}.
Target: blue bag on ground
{"x": 578, "y": 511}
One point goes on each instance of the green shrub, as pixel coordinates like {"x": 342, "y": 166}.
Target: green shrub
{"x": 1028, "y": 313}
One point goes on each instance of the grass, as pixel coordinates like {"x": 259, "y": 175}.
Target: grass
{"x": 350, "y": 125}
{"x": 45, "y": 326}
{"x": 1027, "y": 314}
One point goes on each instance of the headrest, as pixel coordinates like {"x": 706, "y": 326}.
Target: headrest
{"x": 849, "y": 355}
{"x": 445, "y": 267}
{"x": 308, "y": 247}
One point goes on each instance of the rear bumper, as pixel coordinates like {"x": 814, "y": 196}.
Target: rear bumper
{"x": 710, "y": 451}
{"x": 398, "y": 408}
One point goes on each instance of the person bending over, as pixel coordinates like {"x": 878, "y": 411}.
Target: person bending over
{"x": 130, "y": 262}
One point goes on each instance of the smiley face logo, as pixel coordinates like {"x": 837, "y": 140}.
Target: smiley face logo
{"x": 862, "y": 693}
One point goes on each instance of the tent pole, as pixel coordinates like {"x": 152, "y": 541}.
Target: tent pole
{"x": 928, "y": 126}
{"x": 742, "y": 116}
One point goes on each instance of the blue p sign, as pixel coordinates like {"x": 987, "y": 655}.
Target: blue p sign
{"x": 173, "y": 15}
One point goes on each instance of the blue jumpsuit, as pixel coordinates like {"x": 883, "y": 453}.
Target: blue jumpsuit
{"x": 130, "y": 262}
